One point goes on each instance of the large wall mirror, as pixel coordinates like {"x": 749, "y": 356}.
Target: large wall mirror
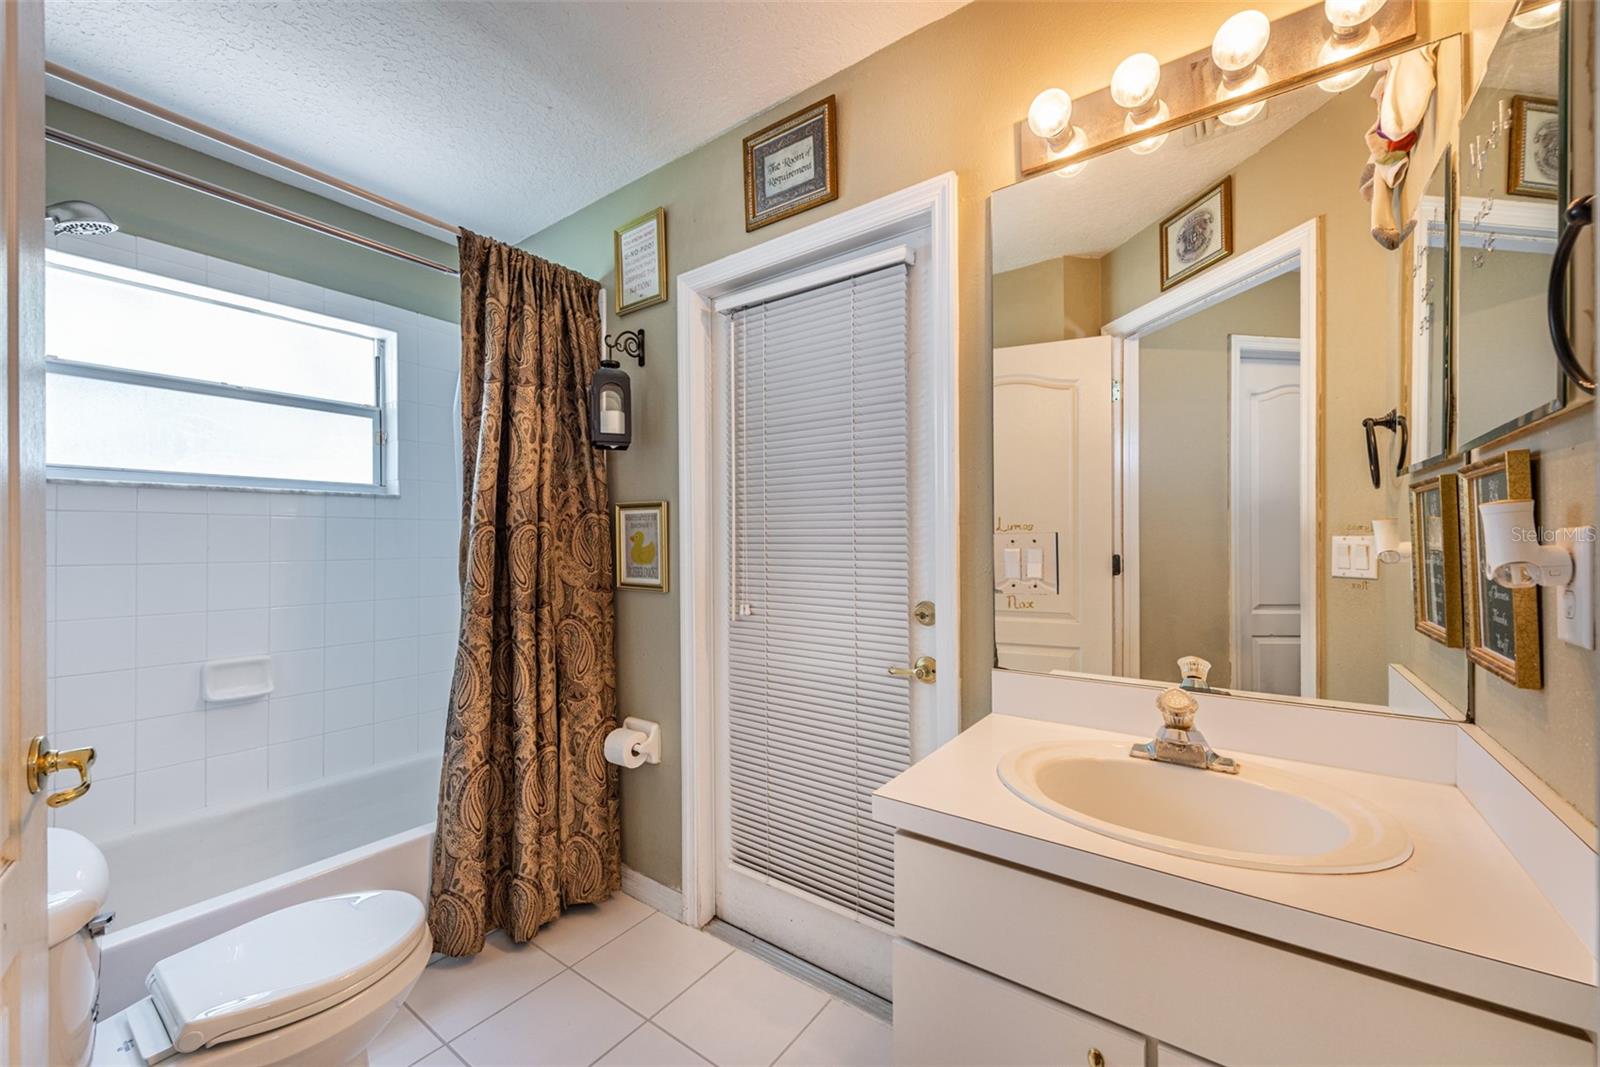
{"x": 1201, "y": 362}
{"x": 1513, "y": 167}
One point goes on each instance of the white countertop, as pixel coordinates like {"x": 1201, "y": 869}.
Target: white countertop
{"x": 1461, "y": 914}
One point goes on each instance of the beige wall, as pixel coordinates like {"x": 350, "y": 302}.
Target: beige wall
{"x": 1311, "y": 172}
{"x": 1053, "y": 300}
{"x": 946, "y": 98}
{"x": 1184, "y": 532}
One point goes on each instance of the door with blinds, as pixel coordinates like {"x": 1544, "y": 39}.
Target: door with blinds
{"x": 826, "y": 568}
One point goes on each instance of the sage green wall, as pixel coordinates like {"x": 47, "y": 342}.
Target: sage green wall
{"x": 946, "y": 98}
{"x": 150, "y": 207}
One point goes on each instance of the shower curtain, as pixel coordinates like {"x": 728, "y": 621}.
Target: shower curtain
{"x": 528, "y": 819}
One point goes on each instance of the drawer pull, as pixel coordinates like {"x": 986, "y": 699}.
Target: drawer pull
{"x": 1097, "y": 1058}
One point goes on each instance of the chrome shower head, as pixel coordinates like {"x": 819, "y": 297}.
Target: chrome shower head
{"x": 79, "y": 218}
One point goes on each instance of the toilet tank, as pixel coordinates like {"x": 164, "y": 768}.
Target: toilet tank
{"x": 76, "y": 886}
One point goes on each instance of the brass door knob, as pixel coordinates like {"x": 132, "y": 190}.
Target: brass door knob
{"x": 1096, "y": 1058}
{"x": 44, "y": 761}
{"x": 924, "y": 670}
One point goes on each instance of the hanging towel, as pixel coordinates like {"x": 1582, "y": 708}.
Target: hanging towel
{"x": 1403, "y": 92}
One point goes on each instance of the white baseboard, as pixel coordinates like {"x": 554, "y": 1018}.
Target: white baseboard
{"x": 668, "y": 902}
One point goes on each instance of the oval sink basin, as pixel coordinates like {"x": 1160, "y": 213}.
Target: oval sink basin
{"x": 1261, "y": 818}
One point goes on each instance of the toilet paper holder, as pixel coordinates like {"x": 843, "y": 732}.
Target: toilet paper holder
{"x": 646, "y": 742}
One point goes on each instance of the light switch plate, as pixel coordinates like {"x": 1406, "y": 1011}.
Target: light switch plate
{"x": 1354, "y": 557}
{"x": 1020, "y": 551}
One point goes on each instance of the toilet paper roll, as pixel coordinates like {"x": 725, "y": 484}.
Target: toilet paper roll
{"x": 620, "y": 745}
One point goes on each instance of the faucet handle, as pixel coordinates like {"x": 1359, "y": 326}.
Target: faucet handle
{"x": 1194, "y": 669}
{"x": 1177, "y": 709}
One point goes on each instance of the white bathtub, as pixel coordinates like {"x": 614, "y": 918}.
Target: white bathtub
{"x": 175, "y": 885}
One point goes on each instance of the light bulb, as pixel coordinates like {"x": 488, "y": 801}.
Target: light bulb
{"x": 1134, "y": 83}
{"x": 1240, "y": 41}
{"x": 1074, "y": 145}
{"x": 1249, "y": 112}
{"x": 1050, "y": 113}
{"x": 1349, "y": 79}
{"x": 1537, "y": 18}
{"x": 1337, "y": 49}
{"x": 1132, "y": 125}
{"x": 1346, "y": 16}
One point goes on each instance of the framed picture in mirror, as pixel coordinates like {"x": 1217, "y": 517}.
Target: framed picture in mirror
{"x": 1197, "y": 235}
{"x": 1535, "y": 156}
{"x": 1436, "y": 555}
{"x": 1502, "y": 624}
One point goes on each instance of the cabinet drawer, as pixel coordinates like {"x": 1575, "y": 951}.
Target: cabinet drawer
{"x": 1222, "y": 996}
{"x": 947, "y": 1014}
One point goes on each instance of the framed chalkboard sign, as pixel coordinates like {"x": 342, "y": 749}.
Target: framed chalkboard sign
{"x": 1502, "y": 624}
{"x": 1436, "y": 552}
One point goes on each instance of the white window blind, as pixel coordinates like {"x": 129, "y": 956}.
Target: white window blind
{"x": 819, "y": 553}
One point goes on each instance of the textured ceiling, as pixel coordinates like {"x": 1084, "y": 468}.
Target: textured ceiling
{"x": 500, "y": 116}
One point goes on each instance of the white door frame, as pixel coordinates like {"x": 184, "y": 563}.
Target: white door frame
{"x": 1297, "y": 249}
{"x": 930, "y": 204}
{"x": 24, "y": 964}
{"x": 1237, "y": 345}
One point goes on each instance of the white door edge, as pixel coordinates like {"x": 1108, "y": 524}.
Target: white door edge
{"x": 1295, "y": 249}
{"x": 930, "y": 204}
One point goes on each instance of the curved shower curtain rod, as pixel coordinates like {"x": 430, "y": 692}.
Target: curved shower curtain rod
{"x": 210, "y": 133}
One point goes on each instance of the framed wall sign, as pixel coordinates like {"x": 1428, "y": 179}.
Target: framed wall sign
{"x": 791, "y": 165}
{"x": 1436, "y": 555}
{"x": 1502, "y": 624}
{"x": 1535, "y": 158}
{"x": 639, "y": 532}
{"x": 641, "y": 261}
{"x": 1197, "y": 235}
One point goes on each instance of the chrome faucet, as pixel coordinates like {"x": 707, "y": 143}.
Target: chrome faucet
{"x": 1195, "y": 671}
{"x": 1178, "y": 741}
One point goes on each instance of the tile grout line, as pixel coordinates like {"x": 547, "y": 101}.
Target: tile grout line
{"x": 681, "y": 1040}
{"x": 809, "y": 1024}
{"x": 563, "y": 967}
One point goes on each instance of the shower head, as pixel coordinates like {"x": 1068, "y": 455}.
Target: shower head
{"x": 78, "y": 218}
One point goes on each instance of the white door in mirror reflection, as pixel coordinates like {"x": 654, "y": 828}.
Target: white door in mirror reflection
{"x": 1264, "y": 457}
{"x": 1052, "y": 422}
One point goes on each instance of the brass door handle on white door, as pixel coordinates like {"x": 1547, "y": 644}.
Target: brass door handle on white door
{"x": 923, "y": 670}
{"x": 44, "y": 761}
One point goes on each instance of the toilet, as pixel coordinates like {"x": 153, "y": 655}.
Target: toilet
{"x": 311, "y": 983}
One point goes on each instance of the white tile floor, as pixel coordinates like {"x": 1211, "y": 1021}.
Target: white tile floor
{"x": 620, "y": 985}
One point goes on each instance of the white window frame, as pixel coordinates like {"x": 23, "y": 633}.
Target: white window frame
{"x": 382, "y": 412}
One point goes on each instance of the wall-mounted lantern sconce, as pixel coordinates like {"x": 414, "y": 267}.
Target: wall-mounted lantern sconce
{"x": 611, "y": 394}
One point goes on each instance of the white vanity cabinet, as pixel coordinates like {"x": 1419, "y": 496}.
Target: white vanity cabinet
{"x": 997, "y": 964}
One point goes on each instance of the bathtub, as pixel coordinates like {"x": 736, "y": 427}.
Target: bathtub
{"x": 173, "y": 886}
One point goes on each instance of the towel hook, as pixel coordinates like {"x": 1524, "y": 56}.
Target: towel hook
{"x": 1396, "y": 423}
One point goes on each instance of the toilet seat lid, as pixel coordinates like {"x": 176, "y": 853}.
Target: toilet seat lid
{"x": 283, "y": 966}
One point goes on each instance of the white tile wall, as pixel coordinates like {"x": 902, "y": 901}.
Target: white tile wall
{"x": 354, "y": 598}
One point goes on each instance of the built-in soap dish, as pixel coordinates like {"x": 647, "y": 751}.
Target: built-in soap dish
{"x": 229, "y": 681}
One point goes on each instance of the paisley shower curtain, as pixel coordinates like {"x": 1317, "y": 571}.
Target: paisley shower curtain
{"x": 528, "y": 818}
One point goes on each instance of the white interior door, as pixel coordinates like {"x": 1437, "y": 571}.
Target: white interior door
{"x": 827, "y": 554}
{"x": 24, "y": 976}
{"x": 1052, "y": 405}
{"x": 1265, "y": 491}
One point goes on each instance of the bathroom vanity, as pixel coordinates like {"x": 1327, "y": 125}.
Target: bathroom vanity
{"x": 1245, "y": 414}
{"x": 1023, "y": 938}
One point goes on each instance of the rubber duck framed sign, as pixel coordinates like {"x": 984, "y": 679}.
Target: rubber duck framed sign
{"x": 643, "y": 555}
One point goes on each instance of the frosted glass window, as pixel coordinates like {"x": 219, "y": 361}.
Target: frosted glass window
{"x": 112, "y": 322}
{"x": 154, "y": 379}
{"x": 137, "y": 428}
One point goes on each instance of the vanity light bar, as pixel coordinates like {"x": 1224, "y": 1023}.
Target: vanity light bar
{"x": 1193, "y": 88}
